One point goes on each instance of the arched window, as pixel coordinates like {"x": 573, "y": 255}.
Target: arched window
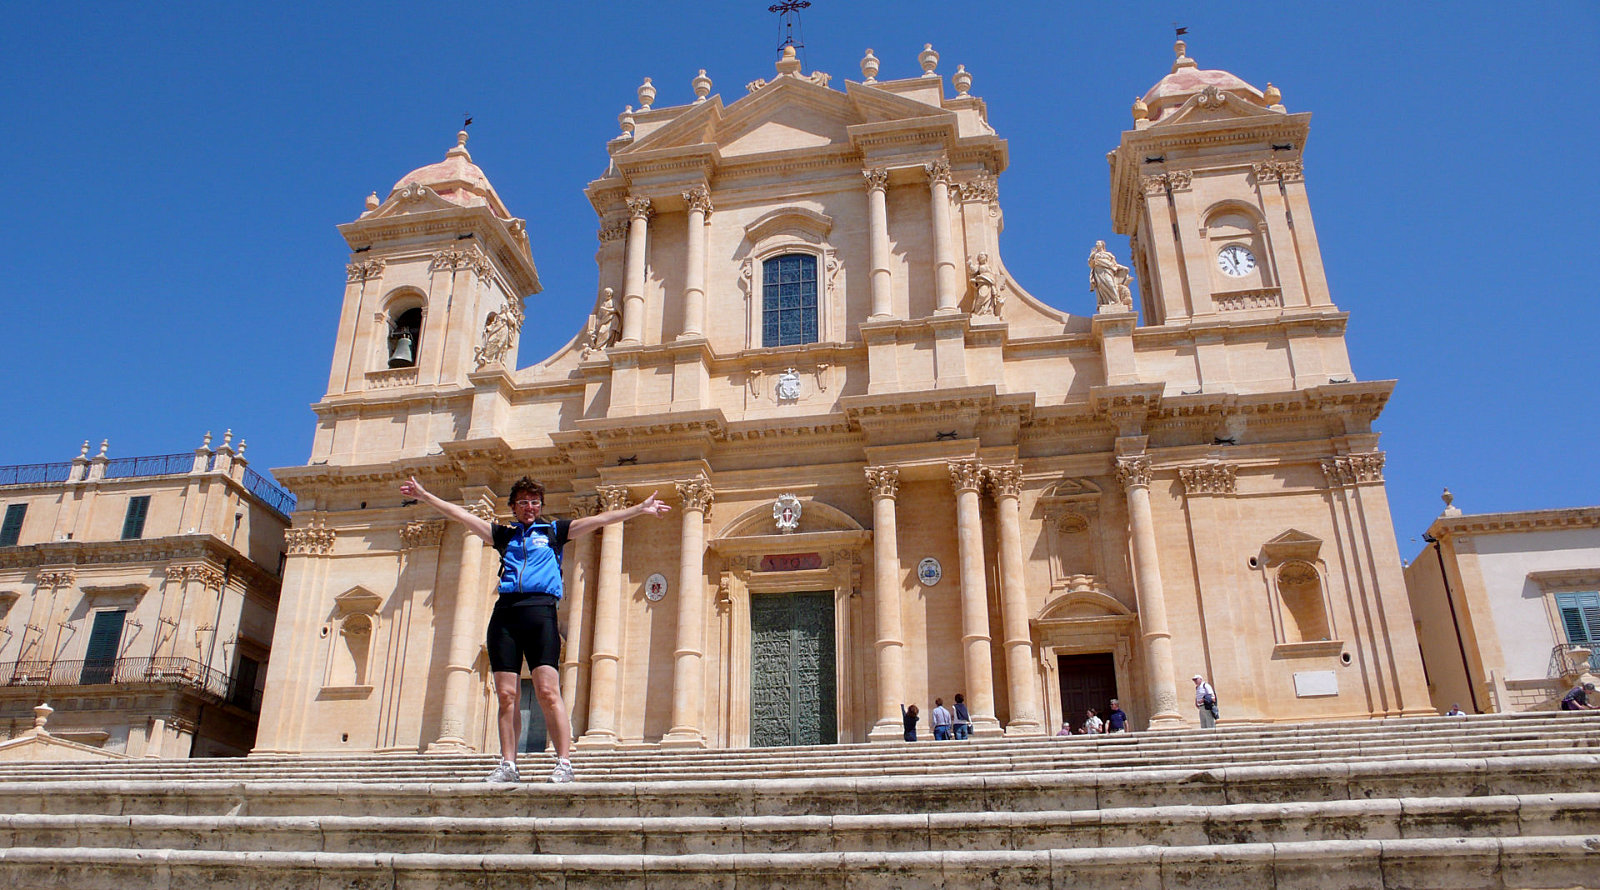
{"x": 1305, "y": 620}
{"x": 789, "y": 300}
{"x": 405, "y": 337}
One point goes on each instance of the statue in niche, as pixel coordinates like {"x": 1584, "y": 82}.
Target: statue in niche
{"x": 1109, "y": 280}
{"x": 498, "y": 331}
{"x": 986, "y": 296}
{"x": 605, "y": 325}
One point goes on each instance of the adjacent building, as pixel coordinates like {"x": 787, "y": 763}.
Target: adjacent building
{"x": 137, "y": 598}
{"x": 1507, "y": 606}
{"x": 898, "y": 471}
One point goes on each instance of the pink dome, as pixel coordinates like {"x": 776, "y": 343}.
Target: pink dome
{"x": 1186, "y": 79}
{"x": 457, "y": 180}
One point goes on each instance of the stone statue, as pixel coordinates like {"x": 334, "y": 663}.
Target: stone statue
{"x": 1109, "y": 280}
{"x": 498, "y": 330}
{"x": 986, "y": 296}
{"x": 605, "y": 325}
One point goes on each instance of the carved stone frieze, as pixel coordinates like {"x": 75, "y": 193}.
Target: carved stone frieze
{"x": 883, "y": 482}
{"x": 1005, "y": 480}
{"x": 1208, "y": 479}
{"x": 1275, "y": 171}
{"x": 613, "y": 497}
{"x": 877, "y": 179}
{"x": 640, "y": 208}
{"x": 1353, "y": 469}
{"x": 316, "y": 539}
{"x": 697, "y": 494}
{"x": 1133, "y": 471}
{"x": 421, "y": 534}
{"x": 698, "y": 198}
{"x": 966, "y": 475}
{"x": 64, "y": 578}
{"x": 363, "y": 271}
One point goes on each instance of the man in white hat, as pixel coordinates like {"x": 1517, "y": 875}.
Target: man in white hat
{"x": 1205, "y": 700}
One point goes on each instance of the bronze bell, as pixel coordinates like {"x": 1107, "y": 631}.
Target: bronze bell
{"x": 401, "y": 356}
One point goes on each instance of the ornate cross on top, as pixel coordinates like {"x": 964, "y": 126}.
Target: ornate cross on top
{"x": 789, "y": 16}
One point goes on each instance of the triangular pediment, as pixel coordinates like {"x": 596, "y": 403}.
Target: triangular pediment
{"x": 412, "y": 198}
{"x": 697, "y": 126}
{"x": 1291, "y": 545}
{"x": 1211, "y": 105}
{"x": 357, "y": 600}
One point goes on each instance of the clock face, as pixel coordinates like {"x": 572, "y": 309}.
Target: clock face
{"x": 1236, "y": 261}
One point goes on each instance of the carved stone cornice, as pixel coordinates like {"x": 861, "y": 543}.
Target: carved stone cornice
{"x": 1274, "y": 171}
{"x": 1564, "y": 518}
{"x": 1171, "y": 181}
{"x": 362, "y": 271}
{"x": 883, "y": 482}
{"x": 1005, "y": 479}
{"x": 698, "y": 198}
{"x": 315, "y": 540}
{"x": 877, "y": 179}
{"x": 1133, "y": 472}
{"x": 1353, "y": 469}
{"x": 613, "y": 497}
{"x": 64, "y": 578}
{"x": 983, "y": 189}
{"x": 966, "y": 475}
{"x": 938, "y": 171}
{"x": 640, "y": 208}
{"x": 1209, "y": 479}
{"x": 421, "y": 534}
{"x": 697, "y": 494}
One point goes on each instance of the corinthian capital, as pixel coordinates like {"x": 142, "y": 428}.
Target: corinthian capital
{"x": 313, "y": 539}
{"x": 483, "y": 508}
{"x": 583, "y": 505}
{"x": 1133, "y": 471}
{"x": 698, "y": 198}
{"x": 877, "y": 179}
{"x": 938, "y": 171}
{"x": 1208, "y": 479}
{"x": 1006, "y": 480}
{"x": 421, "y": 534}
{"x": 640, "y": 208}
{"x": 1353, "y": 469}
{"x": 363, "y": 270}
{"x": 613, "y": 497}
{"x": 697, "y": 494}
{"x": 966, "y": 475}
{"x": 883, "y": 482}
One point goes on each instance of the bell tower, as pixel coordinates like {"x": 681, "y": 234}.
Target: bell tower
{"x": 434, "y": 287}
{"x": 1210, "y": 190}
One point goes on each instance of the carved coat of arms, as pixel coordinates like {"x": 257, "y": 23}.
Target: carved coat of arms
{"x": 786, "y": 513}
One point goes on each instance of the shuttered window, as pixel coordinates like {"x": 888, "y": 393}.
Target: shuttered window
{"x": 11, "y": 529}
{"x": 133, "y": 522}
{"x": 1580, "y": 617}
{"x": 105, "y": 638}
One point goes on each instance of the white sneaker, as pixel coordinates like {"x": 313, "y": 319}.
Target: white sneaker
{"x": 504, "y": 774}
{"x": 562, "y": 774}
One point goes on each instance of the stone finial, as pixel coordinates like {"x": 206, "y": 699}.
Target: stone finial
{"x": 242, "y": 447}
{"x": 1141, "y": 111}
{"x": 372, "y": 201}
{"x": 104, "y": 444}
{"x": 929, "y": 59}
{"x": 1450, "y": 509}
{"x": 701, "y": 86}
{"x": 41, "y": 716}
{"x": 206, "y": 442}
{"x": 227, "y": 438}
{"x": 1272, "y": 95}
{"x": 869, "y": 67}
{"x": 1447, "y": 497}
{"x": 1183, "y": 61}
{"x": 647, "y": 94}
{"x": 460, "y": 151}
{"x": 962, "y": 81}
{"x": 625, "y": 119}
{"x": 788, "y": 63}
{"x": 84, "y": 451}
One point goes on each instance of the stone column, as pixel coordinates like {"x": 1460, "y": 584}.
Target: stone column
{"x": 967, "y": 477}
{"x": 639, "y": 212}
{"x": 576, "y": 594}
{"x": 884, "y": 483}
{"x": 1134, "y": 474}
{"x": 463, "y": 641}
{"x": 688, "y": 675}
{"x": 1014, "y": 611}
{"x": 399, "y": 721}
{"x": 604, "y": 667}
{"x": 878, "y": 242}
{"x": 694, "y": 287}
{"x": 947, "y": 287}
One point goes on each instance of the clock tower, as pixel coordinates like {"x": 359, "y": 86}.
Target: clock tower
{"x": 1210, "y": 190}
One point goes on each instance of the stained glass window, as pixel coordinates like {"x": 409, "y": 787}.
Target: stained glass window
{"x": 789, "y": 300}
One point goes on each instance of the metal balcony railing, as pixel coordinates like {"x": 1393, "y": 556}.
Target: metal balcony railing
{"x": 34, "y": 474}
{"x": 1558, "y": 657}
{"x": 269, "y": 492}
{"x": 184, "y": 672}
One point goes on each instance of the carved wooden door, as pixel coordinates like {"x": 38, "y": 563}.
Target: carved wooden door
{"x": 792, "y": 670}
{"x": 1087, "y": 681}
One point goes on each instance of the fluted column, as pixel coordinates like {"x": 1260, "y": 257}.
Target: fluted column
{"x": 1134, "y": 474}
{"x": 694, "y": 287}
{"x": 604, "y": 663}
{"x": 967, "y": 476}
{"x": 878, "y": 242}
{"x": 947, "y": 287}
{"x": 1026, "y": 718}
{"x": 576, "y": 594}
{"x": 688, "y": 675}
{"x": 884, "y": 483}
{"x": 639, "y": 211}
{"x": 463, "y": 641}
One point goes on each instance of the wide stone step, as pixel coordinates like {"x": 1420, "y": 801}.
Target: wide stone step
{"x": 1541, "y": 815}
{"x": 1457, "y": 863}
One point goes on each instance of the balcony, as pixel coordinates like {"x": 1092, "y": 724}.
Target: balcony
{"x": 183, "y": 673}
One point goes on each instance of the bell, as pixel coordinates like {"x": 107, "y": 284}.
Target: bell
{"x": 402, "y": 356}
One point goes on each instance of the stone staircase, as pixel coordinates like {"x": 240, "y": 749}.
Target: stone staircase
{"x": 1497, "y": 801}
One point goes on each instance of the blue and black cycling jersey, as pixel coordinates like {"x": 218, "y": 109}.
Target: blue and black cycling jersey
{"x": 530, "y": 559}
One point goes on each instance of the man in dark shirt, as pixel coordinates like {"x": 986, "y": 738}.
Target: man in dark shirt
{"x": 1116, "y": 721}
{"x": 1578, "y": 699}
{"x": 523, "y": 624}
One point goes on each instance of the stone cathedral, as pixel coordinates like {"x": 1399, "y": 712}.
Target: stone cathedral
{"x": 896, "y": 472}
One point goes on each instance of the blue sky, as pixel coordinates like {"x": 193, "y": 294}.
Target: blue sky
{"x": 179, "y": 168}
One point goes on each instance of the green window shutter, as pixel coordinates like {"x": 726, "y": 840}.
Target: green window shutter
{"x": 11, "y": 529}
{"x": 133, "y": 522}
{"x": 1580, "y": 616}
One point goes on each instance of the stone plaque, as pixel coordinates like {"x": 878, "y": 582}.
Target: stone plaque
{"x": 790, "y": 562}
{"x": 1313, "y": 683}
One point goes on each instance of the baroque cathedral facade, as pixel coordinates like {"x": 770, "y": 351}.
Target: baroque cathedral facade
{"x": 897, "y": 473}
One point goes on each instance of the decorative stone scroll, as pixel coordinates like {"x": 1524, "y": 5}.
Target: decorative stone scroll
{"x": 1353, "y": 469}
{"x": 64, "y": 578}
{"x": 1208, "y": 479}
{"x": 316, "y": 539}
{"x": 421, "y": 534}
{"x": 1133, "y": 471}
{"x": 363, "y": 271}
{"x": 883, "y": 482}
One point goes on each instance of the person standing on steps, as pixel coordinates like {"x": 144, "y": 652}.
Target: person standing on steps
{"x": 942, "y": 721}
{"x": 1116, "y": 721}
{"x": 963, "y": 727}
{"x": 1205, "y": 699}
{"x": 910, "y": 718}
{"x": 522, "y": 626}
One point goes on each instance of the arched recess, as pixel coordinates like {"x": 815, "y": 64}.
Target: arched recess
{"x": 1295, "y": 578}
{"x": 399, "y": 329}
{"x": 1234, "y": 223}
{"x": 350, "y": 633}
{"x": 1086, "y": 619}
{"x": 788, "y": 231}
{"x": 750, "y": 558}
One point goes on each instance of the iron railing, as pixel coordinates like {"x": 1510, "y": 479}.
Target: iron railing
{"x": 1558, "y": 657}
{"x": 154, "y": 465}
{"x": 185, "y": 672}
{"x": 33, "y": 474}
{"x": 269, "y": 492}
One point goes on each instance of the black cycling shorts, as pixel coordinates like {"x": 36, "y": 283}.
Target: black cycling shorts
{"x": 526, "y": 630}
